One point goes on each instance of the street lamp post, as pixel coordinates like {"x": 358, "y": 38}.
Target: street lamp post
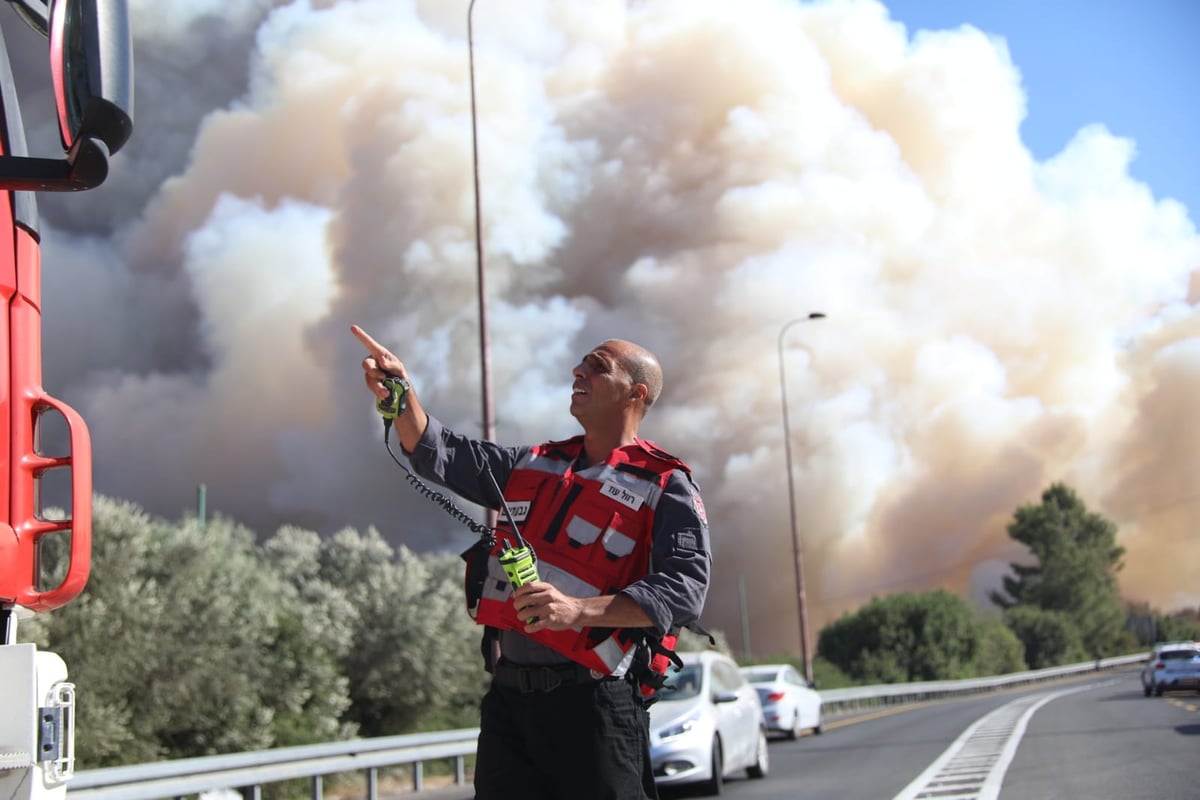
{"x": 797, "y": 551}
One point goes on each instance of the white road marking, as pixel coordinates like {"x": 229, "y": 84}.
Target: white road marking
{"x": 973, "y": 767}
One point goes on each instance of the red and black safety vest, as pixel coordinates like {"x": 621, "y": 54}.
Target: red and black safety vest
{"x": 591, "y": 531}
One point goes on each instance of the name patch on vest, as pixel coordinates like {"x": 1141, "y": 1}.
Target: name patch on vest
{"x": 520, "y": 509}
{"x": 622, "y": 495}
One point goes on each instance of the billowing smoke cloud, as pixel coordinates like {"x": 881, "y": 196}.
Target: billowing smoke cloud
{"x": 690, "y": 174}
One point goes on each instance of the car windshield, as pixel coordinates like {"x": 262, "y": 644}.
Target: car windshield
{"x": 760, "y": 675}
{"x": 1167, "y": 655}
{"x": 683, "y": 685}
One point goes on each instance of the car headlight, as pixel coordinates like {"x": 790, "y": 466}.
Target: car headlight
{"x": 679, "y": 728}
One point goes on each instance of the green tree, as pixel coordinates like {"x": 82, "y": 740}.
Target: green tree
{"x": 1050, "y": 638}
{"x": 1179, "y": 626}
{"x": 1001, "y": 651}
{"x": 311, "y": 644}
{"x": 905, "y": 637}
{"x": 105, "y": 636}
{"x": 184, "y": 644}
{"x": 1077, "y": 559}
{"x": 827, "y": 676}
{"x": 414, "y": 662}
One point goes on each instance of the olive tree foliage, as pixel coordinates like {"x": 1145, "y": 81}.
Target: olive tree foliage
{"x": 905, "y": 637}
{"x": 292, "y": 556}
{"x": 184, "y": 644}
{"x": 414, "y": 662}
{"x": 1077, "y": 559}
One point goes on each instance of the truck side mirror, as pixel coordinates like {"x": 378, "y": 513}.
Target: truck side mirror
{"x": 91, "y": 64}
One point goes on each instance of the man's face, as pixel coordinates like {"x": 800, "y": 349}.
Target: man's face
{"x": 602, "y": 387}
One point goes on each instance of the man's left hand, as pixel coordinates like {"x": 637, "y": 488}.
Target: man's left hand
{"x": 552, "y": 610}
{"x": 555, "y": 611}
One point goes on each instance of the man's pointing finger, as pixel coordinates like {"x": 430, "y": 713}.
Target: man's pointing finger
{"x": 375, "y": 348}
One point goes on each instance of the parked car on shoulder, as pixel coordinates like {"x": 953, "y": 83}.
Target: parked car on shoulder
{"x": 790, "y": 705}
{"x": 706, "y": 725}
{"x": 1172, "y": 665}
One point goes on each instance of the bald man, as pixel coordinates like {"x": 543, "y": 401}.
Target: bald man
{"x": 623, "y": 559}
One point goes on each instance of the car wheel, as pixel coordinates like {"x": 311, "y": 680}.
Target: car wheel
{"x": 1146, "y": 690}
{"x": 716, "y": 783}
{"x": 762, "y": 761}
{"x": 820, "y": 719}
{"x": 794, "y": 731}
{"x": 1158, "y": 690}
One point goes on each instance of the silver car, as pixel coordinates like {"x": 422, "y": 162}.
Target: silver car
{"x": 1172, "y": 665}
{"x": 706, "y": 725}
{"x": 790, "y": 706}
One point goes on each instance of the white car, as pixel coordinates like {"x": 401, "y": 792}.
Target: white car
{"x": 1172, "y": 665}
{"x": 790, "y": 706}
{"x": 706, "y": 725}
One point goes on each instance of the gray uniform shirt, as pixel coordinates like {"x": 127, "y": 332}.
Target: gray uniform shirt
{"x": 672, "y": 595}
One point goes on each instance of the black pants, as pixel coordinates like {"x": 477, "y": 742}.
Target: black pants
{"x": 587, "y": 741}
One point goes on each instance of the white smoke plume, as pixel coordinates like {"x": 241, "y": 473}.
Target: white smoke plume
{"x": 689, "y": 174}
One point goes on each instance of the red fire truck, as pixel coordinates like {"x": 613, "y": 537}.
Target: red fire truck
{"x": 91, "y": 68}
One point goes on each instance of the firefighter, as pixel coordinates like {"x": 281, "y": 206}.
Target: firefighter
{"x": 623, "y": 559}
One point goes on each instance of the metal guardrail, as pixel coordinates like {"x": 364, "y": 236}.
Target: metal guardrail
{"x": 249, "y": 772}
{"x": 854, "y": 698}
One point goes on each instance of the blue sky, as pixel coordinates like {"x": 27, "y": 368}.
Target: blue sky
{"x": 1133, "y": 65}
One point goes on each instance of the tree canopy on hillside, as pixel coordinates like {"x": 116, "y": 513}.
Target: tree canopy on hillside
{"x": 905, "y": 637}
{"x": 1077, "y": 559}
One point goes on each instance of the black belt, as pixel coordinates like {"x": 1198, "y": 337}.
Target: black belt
{"x": 545, "y": 678}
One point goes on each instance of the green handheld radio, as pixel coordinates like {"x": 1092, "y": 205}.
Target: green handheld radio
{"x": 519, "y": 562}
{"x": 394, "y": 404}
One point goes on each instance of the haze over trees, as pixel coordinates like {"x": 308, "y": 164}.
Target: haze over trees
{"x": 195, "y": 639}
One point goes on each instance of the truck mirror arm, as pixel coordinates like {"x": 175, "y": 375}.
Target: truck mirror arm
{"x": 85, "y": 167}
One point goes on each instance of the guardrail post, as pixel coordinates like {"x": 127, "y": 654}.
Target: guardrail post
{"x": 318, "y": 787}
{"x": 460, "y": 771}
{"x": 372, "y": 784}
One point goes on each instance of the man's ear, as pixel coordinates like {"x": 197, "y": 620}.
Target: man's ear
{"x": 639, "y": 392}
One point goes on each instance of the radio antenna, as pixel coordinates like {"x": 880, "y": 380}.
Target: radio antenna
{"x": 489, "y": 419}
